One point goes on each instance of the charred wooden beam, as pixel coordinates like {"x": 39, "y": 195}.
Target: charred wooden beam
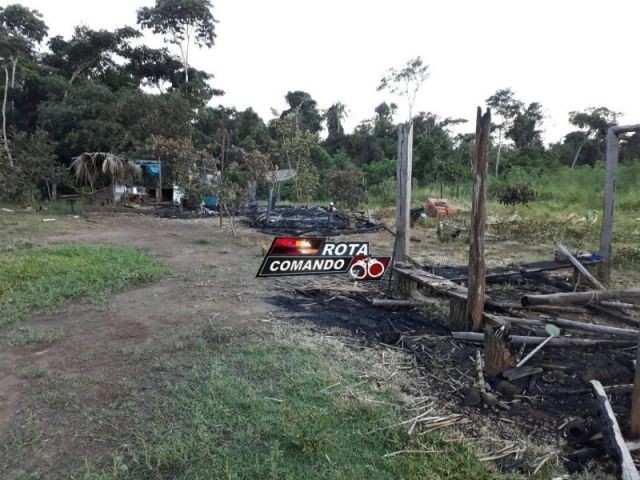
{"x": 477, "y": 337}
{"x": 583, "y": 271}
{"x": 615, "y": 442}
{"x": 581, "y": 298}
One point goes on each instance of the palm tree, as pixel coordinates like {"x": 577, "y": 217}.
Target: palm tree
{"x": 92, "y": 166}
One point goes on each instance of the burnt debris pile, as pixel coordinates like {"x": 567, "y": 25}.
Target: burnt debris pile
{"x": 308, "y": 221}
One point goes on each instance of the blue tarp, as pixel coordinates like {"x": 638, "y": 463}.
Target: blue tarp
{"x": 152, "y": 169}
{"x": 211, "y": 201}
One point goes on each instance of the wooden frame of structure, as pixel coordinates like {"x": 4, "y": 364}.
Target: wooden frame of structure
{"x": 613, "y": 153}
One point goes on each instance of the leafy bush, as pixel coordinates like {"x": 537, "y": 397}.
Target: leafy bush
{"x": 379, "y": 171}
{"x": 384, "y": 193}
{"x": 346, "y": 188}
{"x": 514, "y": 194}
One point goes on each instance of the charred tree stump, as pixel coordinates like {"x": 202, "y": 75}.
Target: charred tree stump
{"x": 497, "y": 355}
{"x": 458, "y": 316}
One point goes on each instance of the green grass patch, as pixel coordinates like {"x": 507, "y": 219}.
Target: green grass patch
{"x": 33, "y": 373}
{"x": 202, "y": 241}
{"x": 26, "y": 336}
{"x": 39, "y": 279}
{"x": 282, "y": 411}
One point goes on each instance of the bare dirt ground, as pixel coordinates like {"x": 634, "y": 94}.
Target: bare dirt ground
{"x": 61, "y": 403}
{"x": 95, "y": 361}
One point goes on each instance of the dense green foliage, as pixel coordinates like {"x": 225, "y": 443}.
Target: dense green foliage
{"x": 101, "y": 90}
{"x": 42, "y": 278}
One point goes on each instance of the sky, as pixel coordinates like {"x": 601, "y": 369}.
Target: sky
{"x": 566, "y": 54}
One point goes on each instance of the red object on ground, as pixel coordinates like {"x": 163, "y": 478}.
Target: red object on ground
{"x": 439, "y": 207}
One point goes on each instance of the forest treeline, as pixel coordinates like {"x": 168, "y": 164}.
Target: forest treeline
{"x": 106, "y": 91}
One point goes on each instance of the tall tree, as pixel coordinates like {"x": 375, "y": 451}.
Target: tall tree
{"x": 525, "y": 130}
{"x": 406, "y": 81}
{"x": 593, "y": 124}
{"x": 152, "y": 66}
{"x": 335, "y": 115}
{"x": 20, "y": 30}
{"x": 181, "y": 22}
{"x": 88, "y": 52}
{"x": 304, "y": 110}
{"x": 505, "y": 106}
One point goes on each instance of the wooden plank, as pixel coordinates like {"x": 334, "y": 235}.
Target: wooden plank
{"x": 434, "y": 283}
{"x": 478, "y": 337}
{"x": 477, "y": 266}
{"x": 616, "y": 445}
{"x": 583, "y": 271}
{"x": 403, "y": 200}
{"x": 579, "y": 298}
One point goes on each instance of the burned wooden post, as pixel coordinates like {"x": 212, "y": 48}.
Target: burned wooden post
{"x": 403, "y": 202}
{"x": 606, "y": 235}
{"x": 476, "y": 289}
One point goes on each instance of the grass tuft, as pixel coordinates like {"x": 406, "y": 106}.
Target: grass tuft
{"x": 39, "y": 279}
{"x": 27, "y": 336}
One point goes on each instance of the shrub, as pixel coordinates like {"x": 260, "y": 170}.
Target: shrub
{"x": 346, "y": 188}
{"x": 514, "y": 194}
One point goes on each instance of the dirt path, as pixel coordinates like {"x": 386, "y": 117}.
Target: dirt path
{"x": 68, "y": 402}
{"x": 99, "y": 361}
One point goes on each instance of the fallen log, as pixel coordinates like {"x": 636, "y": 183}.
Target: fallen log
{"x": 627, "y": 306}
{"x": 571, "y": 324}
{"x": 547, "y": 308}
{"x": 581, "y": 298}
{"x": 614, "y": 315}
{"x": 614, "y": 440}
{"x": 477, "y": 337}
{"x": 583, "y": 271}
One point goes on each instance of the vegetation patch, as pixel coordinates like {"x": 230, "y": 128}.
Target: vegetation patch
{"x": 43, "y": 278}
{"x": 26, "y": 336}
{"x": 281, "y": 411}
